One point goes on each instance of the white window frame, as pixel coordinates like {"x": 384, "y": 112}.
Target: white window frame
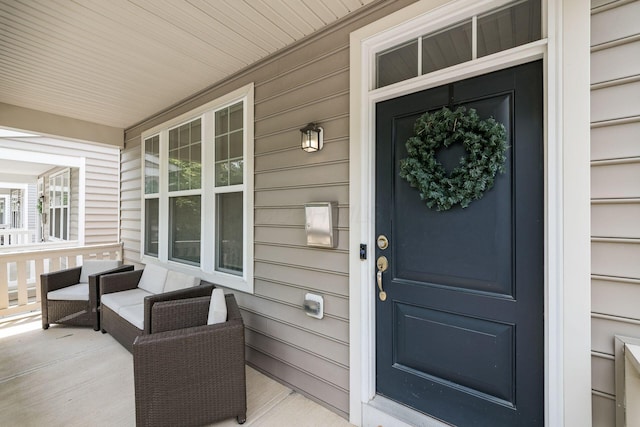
{"x": 52, "y": 207}
{"x": 206, "y": 269}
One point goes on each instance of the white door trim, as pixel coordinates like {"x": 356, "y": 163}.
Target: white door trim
{"x": 567, "y": 220}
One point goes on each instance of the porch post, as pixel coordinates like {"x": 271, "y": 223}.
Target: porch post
{"x": 570, "y": 110}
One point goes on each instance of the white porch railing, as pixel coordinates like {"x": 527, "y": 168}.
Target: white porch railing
{"x": 17, "y": 236}
{"x": 20, "y": 272}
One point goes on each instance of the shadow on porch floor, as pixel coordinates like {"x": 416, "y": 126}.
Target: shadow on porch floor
{"x": 68, "y": 376}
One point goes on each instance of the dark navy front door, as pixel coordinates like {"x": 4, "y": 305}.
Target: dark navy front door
{"x": 460, "y": 335}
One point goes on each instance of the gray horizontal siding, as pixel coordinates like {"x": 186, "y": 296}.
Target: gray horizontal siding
{"x": 615, "y": 208}
{"x": 308, "y": 82}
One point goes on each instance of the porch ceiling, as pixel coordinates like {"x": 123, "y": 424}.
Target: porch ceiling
{"x": 118, "y": 62}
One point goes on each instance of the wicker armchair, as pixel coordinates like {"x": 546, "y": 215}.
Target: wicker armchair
{"x": 71, "y": 296}
{"x": 189, "y": 373}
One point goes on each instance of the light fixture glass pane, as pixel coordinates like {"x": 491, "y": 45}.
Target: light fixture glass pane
{"x": 229, "y": 240}
{"x": 151, "y": 218}
{"x": 446, "y": 48}
{"x": 184, "y": 228}
{"x": 509, "y": 27}
{"x": 397, "y": 64}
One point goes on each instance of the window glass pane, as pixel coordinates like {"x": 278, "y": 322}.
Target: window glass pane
{"x": 173, "y": 139}
{"x": 152, "y": 165}
{"x": 222, "y": 174}
{"x": 222, "y": 121}
{"x": 184, "y": 223}
{"x": 58, "y": 190}
{"x": 151, "y": 214}
{"x": 222, "y": 148}
{"x": 185, "y": 135}
{"x": 229, "y": 244}
{"x": 235, "y": 171}
{"x": 509, "y": 27}
{"x": 185, "y": 158}
{"x": 65, "y": 218}
{"x": 229, "y": 146}
{"x": 65, "y": 189}
{"x": 235, "y": 144}
{"x": 196, "y": 165}
{"x": 235, "y": 117}
{"x": 446, "y": 48}
{"x": 397, "y": 64}
{"x": 56, "y": 231}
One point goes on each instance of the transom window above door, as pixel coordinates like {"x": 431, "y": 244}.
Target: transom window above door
{"x": 512, "y": 25}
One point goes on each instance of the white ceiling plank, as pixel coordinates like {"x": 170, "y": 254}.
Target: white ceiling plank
{"x": 321, "y": 10}
{"x": 119, "y": 62}
{"x": 266, "y": 8}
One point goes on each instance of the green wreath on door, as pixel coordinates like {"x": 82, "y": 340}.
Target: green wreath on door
{"x": 485, "y": 142}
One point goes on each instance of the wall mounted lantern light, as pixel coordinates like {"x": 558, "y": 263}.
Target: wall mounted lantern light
{"x": 311, "y": 138}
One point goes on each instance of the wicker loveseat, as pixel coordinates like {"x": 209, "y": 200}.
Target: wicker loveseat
{"x": 189, "y": 373}
{"x": 126, "y": 299}
{"x": 71, "y": 296}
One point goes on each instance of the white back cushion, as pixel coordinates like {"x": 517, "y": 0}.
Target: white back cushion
{"x": 94, "y": 266}
{"x": 177, "y": 281}
{"x": 153, "y": 278}
{"x": 217, "y": 308}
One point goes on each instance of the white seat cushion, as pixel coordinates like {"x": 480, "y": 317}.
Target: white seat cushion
{"x": 116, "y": 300}
{"x": 133, "y": 314}
{"x": 176, "y": 280}
{"x": 94, "y": 266}
{"x": 77, "y": 292}
{"x": 153, "y": 278}
{"x": 217, "y": 308}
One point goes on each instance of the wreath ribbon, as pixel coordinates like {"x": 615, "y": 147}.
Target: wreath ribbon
{"x": 485, "y": 142}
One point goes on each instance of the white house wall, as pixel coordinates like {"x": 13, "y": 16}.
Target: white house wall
{"x": 615, "y": 193}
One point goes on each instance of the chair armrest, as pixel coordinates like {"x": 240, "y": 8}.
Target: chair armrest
{"x": 95, "y": 279}
{"x": 194, "y": 292}
{"x": 59, "y": 279}
{"x": 210, "y": 351}
{"x": 117, "y": 282}
{"x": 180, "y": 314}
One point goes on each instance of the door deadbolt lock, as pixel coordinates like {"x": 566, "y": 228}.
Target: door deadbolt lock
{"x": 383, "y": 242}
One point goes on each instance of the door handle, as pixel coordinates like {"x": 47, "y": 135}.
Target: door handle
{"x": 382, "y": 263}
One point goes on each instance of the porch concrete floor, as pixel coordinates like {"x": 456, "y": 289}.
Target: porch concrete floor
{"x": 67, "y": 376}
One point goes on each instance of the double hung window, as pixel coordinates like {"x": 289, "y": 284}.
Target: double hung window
{"x": 59, "y": 203}
{"x": 198, "y": 194}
